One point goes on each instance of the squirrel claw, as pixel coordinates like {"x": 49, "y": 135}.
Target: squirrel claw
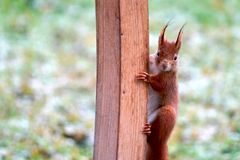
{"x": 146, "y": 129}
{"x": 143, "y": 76}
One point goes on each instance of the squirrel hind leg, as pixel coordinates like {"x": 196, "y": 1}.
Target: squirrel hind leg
{"x": 161, "y": 129}
{"x": 164, "y": 122}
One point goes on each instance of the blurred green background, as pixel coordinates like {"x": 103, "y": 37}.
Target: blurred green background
{"x": 48, "y": 74}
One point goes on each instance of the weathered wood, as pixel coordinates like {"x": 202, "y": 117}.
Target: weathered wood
{"x": 108, "y": 80}
{"x": 122, "y": 52}
{"x": 134, "y": 55}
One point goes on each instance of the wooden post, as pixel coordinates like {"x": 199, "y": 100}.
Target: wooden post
{"x": 122, "y": 52}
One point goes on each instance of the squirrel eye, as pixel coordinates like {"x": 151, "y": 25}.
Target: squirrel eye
{"x": 158, "y": 53}
{"x": 175, "y": 58}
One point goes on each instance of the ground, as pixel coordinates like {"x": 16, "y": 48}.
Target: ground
{"x": 48, "y": 75}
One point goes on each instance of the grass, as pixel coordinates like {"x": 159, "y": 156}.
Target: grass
{"x": 47, "y": 77}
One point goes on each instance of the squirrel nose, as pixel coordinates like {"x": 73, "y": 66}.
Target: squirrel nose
{"x": 164, "y": 65}
{"x": 165, "y": 61}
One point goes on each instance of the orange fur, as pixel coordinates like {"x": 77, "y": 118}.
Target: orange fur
{"x": 160, "y": 132}
{"x": 163, "y": 80}
{"x": 165, "y": 120}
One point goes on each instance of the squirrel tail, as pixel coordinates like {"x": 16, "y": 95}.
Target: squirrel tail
{"x": 161, "y": 130}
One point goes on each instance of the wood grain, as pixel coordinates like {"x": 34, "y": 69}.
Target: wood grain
{"x": 122, "y": 52}
{"x": 133, "y": 97}
{"x": 108, "y": 80}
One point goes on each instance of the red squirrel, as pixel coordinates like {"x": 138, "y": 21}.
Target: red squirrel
{"x": 163, "y": 95}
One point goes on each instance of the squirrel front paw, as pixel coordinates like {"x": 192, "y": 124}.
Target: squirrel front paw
{"x": 143, "y": 76}
{"x": 146, "y": 129}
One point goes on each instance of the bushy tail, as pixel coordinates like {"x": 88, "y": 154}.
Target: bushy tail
{"x": 161, "y": 130}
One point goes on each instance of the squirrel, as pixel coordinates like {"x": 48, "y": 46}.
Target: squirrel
{"x": 163, "y": 95}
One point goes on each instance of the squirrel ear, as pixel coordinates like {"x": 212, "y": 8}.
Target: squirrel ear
{"x": 161, "y": 38}
{"x": 179, "y": 37}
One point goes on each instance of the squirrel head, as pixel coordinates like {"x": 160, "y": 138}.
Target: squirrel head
{"x": 166, "y": 57}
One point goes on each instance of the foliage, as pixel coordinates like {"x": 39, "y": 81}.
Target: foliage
{"x": 208, "y": 123}
{"x": 47, "y": 78}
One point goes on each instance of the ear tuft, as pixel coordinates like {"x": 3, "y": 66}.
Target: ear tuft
{"x": 161, "y": 38}
{"x": 179, "y": 37}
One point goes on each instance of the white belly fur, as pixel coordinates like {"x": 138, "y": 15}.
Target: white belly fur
{"x": 154, "y": 100}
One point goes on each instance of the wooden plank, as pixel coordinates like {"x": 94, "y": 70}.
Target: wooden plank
{"x": 122, "y": 52}
{"x": 108, "y": 80}
{"x": 134, "y": 56}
